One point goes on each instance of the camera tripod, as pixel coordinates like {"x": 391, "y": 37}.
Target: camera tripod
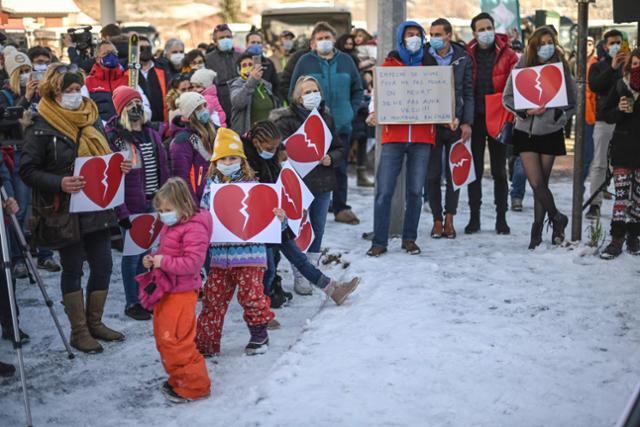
{"x": 34, "y": 277}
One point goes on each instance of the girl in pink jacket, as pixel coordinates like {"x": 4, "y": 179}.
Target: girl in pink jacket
{"x": 176, "y": 266}
{"x": 202, "y": 82}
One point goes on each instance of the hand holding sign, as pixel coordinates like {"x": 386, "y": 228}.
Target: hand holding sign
{"x": 543, "y": 86}
{"x": 309, "y": 145}
{"x": 103, "y": 179}
{"x": 245, "y": 213}
{"x": 461, "y": 163}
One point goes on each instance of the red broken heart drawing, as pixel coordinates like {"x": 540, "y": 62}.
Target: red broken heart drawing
{"x": 461, "y": 163}
{"x": 291, "y": 194}
{"x": 144, "y": 230}
{"x": 305, "y": 238}
{"x": 539, "y": 88}
{"x": 99, "y": 190}
{"x": 245, "y": 215}
{"x": 308, "y": 146}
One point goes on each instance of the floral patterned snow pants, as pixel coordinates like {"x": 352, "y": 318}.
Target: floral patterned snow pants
{"x": 218, "y": 292}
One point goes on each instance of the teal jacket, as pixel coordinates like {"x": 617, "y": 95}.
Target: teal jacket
{"x": 340, "y": 83}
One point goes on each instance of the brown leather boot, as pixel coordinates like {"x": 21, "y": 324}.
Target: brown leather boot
{"x": 411, "y": 247}
{"x": 449, "y": 231}
{"x": 437, "y": 230}
{"x": 80, "y": 336}
{"x": 95, "y": 308}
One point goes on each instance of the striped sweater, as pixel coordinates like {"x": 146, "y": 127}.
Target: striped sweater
{"x": 233, "y": 255}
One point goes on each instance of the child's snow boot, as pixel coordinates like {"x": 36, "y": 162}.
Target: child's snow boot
{"x": 259, "y": 342}
{"x": 613, "y": 249}
{"x": 339, "y": 291}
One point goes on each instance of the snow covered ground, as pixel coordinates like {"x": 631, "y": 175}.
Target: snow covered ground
{"x": 476, "y": 331}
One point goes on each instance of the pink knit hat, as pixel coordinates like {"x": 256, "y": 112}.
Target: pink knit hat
{"x": 122, "y": 95}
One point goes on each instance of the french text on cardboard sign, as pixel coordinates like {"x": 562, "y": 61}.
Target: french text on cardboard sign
{"x": 412, "y": 95}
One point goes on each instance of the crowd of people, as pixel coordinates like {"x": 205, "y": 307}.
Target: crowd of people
{"x": 219, "y": 114}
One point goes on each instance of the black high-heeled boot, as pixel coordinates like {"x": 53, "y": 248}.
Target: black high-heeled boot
{"x": 536, "y": 235}
{"x": 559, "y": 222}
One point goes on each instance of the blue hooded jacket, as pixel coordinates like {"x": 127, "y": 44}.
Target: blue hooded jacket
{"x": 411, "y": 59}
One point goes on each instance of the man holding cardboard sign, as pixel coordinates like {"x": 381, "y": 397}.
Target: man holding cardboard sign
{"x": 404, "y": 133}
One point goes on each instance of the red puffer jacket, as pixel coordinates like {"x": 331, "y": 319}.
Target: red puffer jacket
{"x": 101, "y": 83}
{"x": 420, "y": 134}
{"x": 506, "y": 59}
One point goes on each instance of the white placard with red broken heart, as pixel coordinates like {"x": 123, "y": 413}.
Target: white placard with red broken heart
{"x": 461, "y": 164}
{"x": 296, "y": 197}
{"x": 541, "y": 86}
{"x": 309, "y": 144}
{"x": 243, "y": 213}
{"x": 306, "y": 235}
{"x": 143, "y": 234}
{"x": 104, "y": 183}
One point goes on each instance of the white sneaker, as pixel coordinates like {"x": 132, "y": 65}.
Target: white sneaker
{"x": 301, "y": 286}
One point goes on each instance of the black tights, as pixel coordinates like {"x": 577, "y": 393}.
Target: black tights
{"x": 538, "y": 168}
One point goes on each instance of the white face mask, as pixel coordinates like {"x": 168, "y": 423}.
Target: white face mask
{"x": 311, "y": 100}
{"x": 228, "y": 170}
{"x": 613, "y": 50}
{"x": 40, "y": 67}
{"x": 198, "y": 67}
{"x": 24, "y": 79}
{"x": 287, "y": 45}
{"x": 413, "y": 43}
{"x": 71, "y": 101}
{"x": 325, "y": 46}
{"x": 176, "y": 58}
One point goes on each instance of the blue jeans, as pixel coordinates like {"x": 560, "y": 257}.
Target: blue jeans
{"x": 519, "y": 180}
{"x": 318, "y": 217}
{"x": 392, "y": 156}
{"x": 131, "y": 266}
{"x": 273, "y": 259}
{"x": 299, "y": 260}
{"x": 340, "y": 193}
{"x": 588, "y": 151}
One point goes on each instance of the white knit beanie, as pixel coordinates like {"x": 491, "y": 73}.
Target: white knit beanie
{"x": 14, "y": 59}
{"x": 188, "y": 102}
{"x": 203, "y": 77}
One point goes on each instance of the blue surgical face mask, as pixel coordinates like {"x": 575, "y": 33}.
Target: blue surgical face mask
{"x": 613, "y": 50}
{"x": 546, "y": 51}
{"x": 225, "y": 45}
{"x": 203, "y": 116}
{"x": 228, "y": 170}
{"x": 325, "y": 46}
{"x": 437, "y": 43}
{"x": 255, "y": 49}
{"x": 487, "y": 37}
{"x": 110, "y": 60}
{"x": 169, "y": 218}
{"x": 266, "y": 155}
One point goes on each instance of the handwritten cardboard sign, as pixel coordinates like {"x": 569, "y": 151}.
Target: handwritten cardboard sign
{"x": 413, "y": 95}
{"x": 541, "y": 86}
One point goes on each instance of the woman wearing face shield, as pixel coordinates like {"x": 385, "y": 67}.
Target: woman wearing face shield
{"x": 68, "y": 126}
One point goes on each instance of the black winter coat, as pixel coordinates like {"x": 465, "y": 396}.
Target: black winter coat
{"x": 47, "y": 157}
{"x": 321, "y": 179}
{"x": 602, "y": 79}
{"x": 625, "y": 143}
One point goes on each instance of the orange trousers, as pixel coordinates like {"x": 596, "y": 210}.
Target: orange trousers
{"x": 174, "y": 326}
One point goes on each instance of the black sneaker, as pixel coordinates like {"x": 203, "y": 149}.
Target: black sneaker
{"x": 633, "y": 245}
{"x": 171, "y": 395}
{"x": 137, "y": 312}
{"x": 20, "y": 271}
{"x": 49, "y": 265}
{"x": 7, "y": 370}
{"x": 593, "y": 212}
{"x": 7, "y": 334}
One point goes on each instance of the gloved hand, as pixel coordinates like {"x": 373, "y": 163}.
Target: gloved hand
{"x": 125, "y": 223}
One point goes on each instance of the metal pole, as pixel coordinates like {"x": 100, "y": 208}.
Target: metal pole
{"x": 17, "y": 341}
{"x": 578, "y": 185}
{"x": 390, "y": 15}
{"x": 107, "y": 12}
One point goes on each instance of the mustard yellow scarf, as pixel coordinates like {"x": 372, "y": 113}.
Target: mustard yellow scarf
{"x": 70, "y": 123}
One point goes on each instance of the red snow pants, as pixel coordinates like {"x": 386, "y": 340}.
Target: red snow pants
{"x": 174, "y": 326}
{"x": 218, "y": 292}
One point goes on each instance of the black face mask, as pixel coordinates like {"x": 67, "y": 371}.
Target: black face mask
{"x": 135, "y": 113}
{"x": 145, "y": 53}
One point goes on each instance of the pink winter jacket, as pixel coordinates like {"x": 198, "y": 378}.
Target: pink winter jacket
{"x": 184, "y": 248}
{"x": 211, "y": 95}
